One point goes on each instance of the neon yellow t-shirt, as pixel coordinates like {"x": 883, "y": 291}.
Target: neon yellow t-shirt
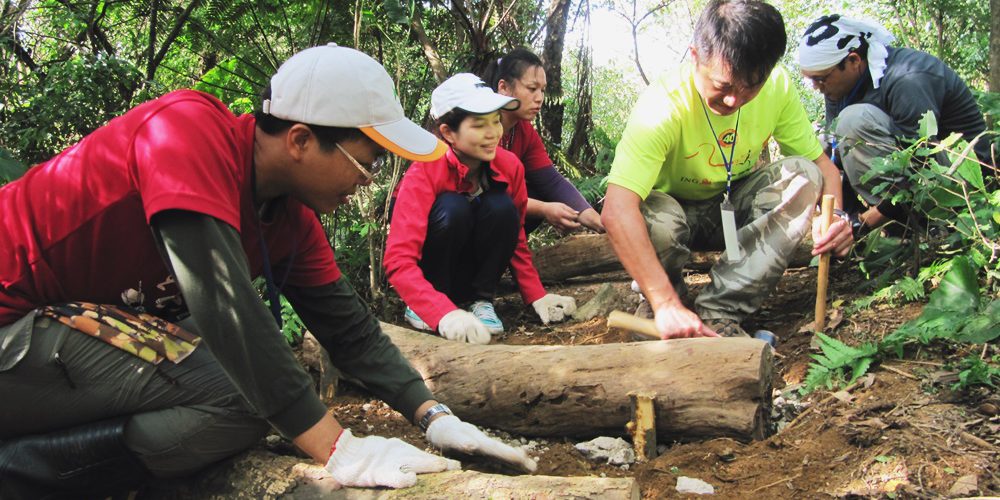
{"x": 668, "y": 146}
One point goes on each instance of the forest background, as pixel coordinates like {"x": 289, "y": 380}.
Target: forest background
{"x": 69, "y": 66}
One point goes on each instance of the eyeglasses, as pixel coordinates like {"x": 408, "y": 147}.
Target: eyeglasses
{"x": 821, "y": 79}
{"x": 371, "y": 170}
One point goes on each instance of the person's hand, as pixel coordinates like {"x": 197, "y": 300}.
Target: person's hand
{"x": 448, "y": 433}
{"x": 838, "y": 239}
{"x": 554, "y": 308}
{"x": 463, "y": 326}
{"x": 561, "y": 216}
{"x": 591, "y": 219}
{"x": 377, "y": 461}
{"x": 674, "y": 321}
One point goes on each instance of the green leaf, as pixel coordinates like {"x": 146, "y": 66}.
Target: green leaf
{"x": 972, "y": 173}
{"x": 10, "y": 168}
{"x": 982, "y": 327}
{"x": 928, "y": 125}
{"x": 883, "y": 459}
{"x": 958, "y": 292}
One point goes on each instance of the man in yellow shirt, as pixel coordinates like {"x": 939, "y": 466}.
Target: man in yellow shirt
{"x": 688, "y": 156}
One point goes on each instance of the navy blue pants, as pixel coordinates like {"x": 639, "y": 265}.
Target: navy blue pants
{"x": 470, "y": 243}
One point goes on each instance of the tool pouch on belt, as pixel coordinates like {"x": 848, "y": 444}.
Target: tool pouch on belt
{"x": 148, "y": 337}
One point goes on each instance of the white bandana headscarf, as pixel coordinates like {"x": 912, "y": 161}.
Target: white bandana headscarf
{"x": 829, "y": 39}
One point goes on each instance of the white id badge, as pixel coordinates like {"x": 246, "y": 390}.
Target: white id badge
{"x": 733, "y": 252}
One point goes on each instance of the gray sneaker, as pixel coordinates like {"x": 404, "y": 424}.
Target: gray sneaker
{"x": 415, "y": 320}
{"x": 484, "y": 312}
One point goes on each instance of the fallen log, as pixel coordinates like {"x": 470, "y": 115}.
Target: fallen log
{"x": 586, "y": 254}
{"x": 469, "y": 484}
{"x": 262, "y": 474}
{"x": 705, "y": 388}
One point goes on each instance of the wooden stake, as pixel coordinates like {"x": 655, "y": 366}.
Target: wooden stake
{"x": 642, "y": 425}
{"x": 626, "y": 321}
{"x": 822, "y": 277}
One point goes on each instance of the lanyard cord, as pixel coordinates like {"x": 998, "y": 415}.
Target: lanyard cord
{"x": 272, "y": 289}
{"x": 732, "y": 150}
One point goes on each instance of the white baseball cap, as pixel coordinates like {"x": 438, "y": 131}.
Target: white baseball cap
{"x": 468, "y": 92}
{"x": 335, "y": 86}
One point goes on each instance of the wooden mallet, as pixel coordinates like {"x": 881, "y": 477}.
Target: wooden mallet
{"x": 626, "y": 321}
{"x": 822, "y": 277}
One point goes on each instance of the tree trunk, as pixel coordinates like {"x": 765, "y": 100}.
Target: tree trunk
{"x": 555, "y": 36}
{"x": 430, "y": 51}
{"x": 586, "y": 254}
{"x": 581, "y": 149}
{"x": 995, "y": 46}
{"x": 705, "y": 388}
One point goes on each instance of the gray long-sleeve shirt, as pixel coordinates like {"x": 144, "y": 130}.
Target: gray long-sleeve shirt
{"x": 916, "y": 82}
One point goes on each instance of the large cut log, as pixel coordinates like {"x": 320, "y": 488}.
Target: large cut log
{"x": 468, "y": 484}
{"x": 704, "y": 388}
{"x": 262, "y": 474}
{"x": 586, "y": 254}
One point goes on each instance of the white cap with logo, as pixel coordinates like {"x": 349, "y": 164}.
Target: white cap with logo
{"x": 335, "y": 86}
{"x": 468, "y": 92}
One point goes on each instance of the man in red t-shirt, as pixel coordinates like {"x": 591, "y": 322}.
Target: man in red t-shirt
{"x": 164, "y": 216}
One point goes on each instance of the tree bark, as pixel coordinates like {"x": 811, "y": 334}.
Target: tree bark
{"x": 586, "y": 254}
{"x": 995, "y": 45}
{"x": 553, "y": 107}
{"x": 430, "y": 52}
{"x": 705, "y": 388}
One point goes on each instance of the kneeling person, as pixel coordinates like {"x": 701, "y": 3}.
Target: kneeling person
{"x": 458, "y": 222}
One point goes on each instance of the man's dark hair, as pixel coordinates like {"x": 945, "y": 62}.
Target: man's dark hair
{"x": 748, "y": 35}
{"x": 861, "y": 51}
{"x": 510, "y": 67}
{"x": 328, "y": 137}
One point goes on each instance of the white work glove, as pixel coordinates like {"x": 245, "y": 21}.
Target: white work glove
{"x": 377, "y": 461}
{"x": 554, "y": 308}
{"x": 448, "y": 433}
{"x": 463, "y": 326}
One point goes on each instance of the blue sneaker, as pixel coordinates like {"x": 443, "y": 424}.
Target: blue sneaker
{"x": 484, "y": 312}
{"x": 415, "y": 320}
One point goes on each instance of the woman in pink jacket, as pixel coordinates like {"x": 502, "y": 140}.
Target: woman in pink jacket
{"x": 458, "y": 222}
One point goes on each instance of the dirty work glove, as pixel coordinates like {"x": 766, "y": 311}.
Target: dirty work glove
{"x": 554, "y": 308}
{"x": 377, "y": 461}
{"x": 448, "y": 433}
{"x": 462, "y": 326}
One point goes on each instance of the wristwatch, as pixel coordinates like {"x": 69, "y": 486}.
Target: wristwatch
{"x": 858, "y": 229}
{"x": 429, "y": 414}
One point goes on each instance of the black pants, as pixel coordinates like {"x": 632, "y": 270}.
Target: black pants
{"x": 470, "y": 243}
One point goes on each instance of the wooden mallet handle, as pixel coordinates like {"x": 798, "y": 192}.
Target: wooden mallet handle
{"x": 626, "y": 321}
{"x": 822, "y": 277}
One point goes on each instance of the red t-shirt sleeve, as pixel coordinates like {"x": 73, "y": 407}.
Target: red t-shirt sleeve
{"x": 186, "y": 156}
{"x": 532, "y": 154}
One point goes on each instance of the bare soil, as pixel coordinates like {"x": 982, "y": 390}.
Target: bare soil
{"x": 902, "y": 434}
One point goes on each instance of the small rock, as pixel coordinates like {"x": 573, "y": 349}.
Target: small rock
{"x": 615, "y": 451}
{"x": 691, "y": 485}
{"x": 273, "y": 440}
{"x": 965, "y": 485}
{"x": 366, "y": 407}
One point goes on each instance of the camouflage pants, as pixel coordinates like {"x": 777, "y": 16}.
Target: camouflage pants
{"x": 774, "y": 208}
{"x": 184, "y": 416}
{"x": 865, "y": 133}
